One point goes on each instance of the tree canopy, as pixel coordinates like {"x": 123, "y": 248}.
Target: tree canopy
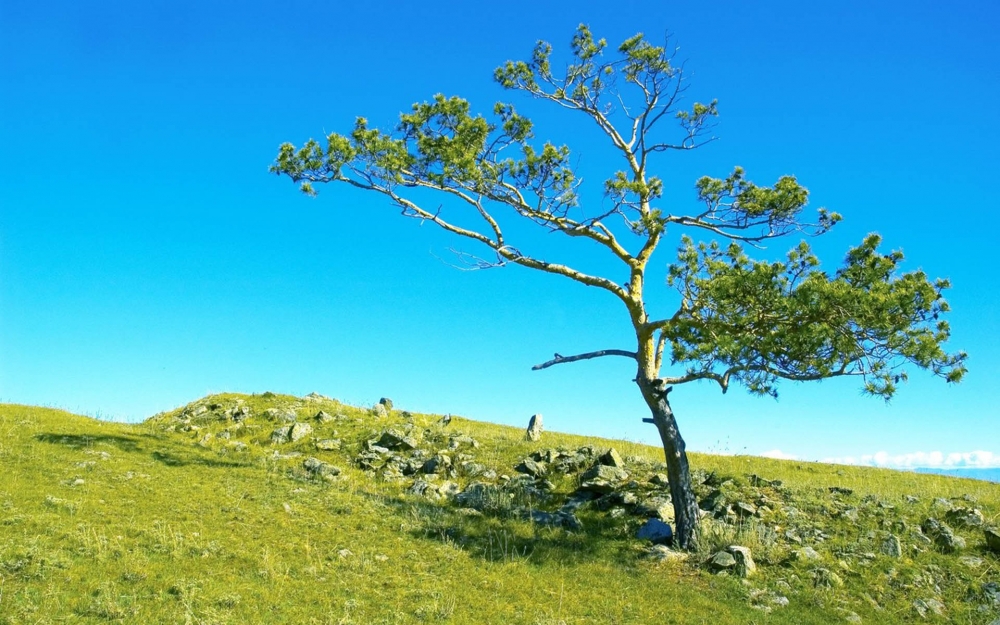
{"x": 754, "y": 322}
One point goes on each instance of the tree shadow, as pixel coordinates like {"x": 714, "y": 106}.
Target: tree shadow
{"x": 81, "y": 441}
{"x": 513, "y": 536}
{"x": 184, "y": 459}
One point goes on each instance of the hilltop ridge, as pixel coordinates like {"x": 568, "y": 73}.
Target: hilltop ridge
{"x": 271, "y": 508}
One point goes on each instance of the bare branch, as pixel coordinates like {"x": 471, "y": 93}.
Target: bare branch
{"x": 559, "y": 359}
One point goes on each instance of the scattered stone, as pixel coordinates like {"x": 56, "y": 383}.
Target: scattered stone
{"x": 298, "y": 431}
{"x": 971, "y": 561}
{"x": 437, "y": 463}
{"x": 445, "y": 420}
{"x": 965, "y": 517}
{"x": 317, "y": 468}
{"x": 851, "y": 514}
{"x": 892, "y": 547}
{"x": 530, "y": 467}
{"x": 379, "y": 411}
{"x": 745, "y": 566}
{"x": 923, "y": 606}
{"x": 534, "y": 431}
{"x": 314, "y": 396}
{"x": 238, "y": 413}
{"x": 660, "y": 479}
{"x": 345, "y": 553}
{"x": 461, "y": 440}
{"x": 852, "y": 617}
{"x": 722, "y": 561}
{"x": 944, "y": 504}
{"x": 324, "y": 417}
{"x": 328, "y": 444}
{"x": 606, "y": 473}
{"x": 839, "y": 490}
{"x": 744, "y": 510}
{"x": 281, "y": 435}
{"x": 656, "y": 507}
{"x": 656, "y": 531}
{"x": 612, "y": 458}
{"x": 911, "y": 499}
{"x": 825, "y": 578}
{"x": 991, "y": 592}
{"x": 942, "y": 535}
{"x": 387, "y": 403}
{"x": 807, "y": 554}
{"x": 391, "y": 439}
{"x": 992, "y": 540}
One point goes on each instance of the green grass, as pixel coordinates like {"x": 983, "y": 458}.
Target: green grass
{"x": 167, "y": 521}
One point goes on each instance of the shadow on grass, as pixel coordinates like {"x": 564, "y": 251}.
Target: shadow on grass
{"x": 79, "y": 441}
{"x": 184, "y": 459}
{"x": 510, "y": 537}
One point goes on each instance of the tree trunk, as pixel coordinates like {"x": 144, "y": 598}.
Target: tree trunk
{"x": 686, "y": 511}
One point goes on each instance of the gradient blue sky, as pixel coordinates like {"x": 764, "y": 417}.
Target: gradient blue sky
{"x": 148, "y": 258}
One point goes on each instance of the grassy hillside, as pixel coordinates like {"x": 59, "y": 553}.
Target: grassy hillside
{"x": 211, "y": 514}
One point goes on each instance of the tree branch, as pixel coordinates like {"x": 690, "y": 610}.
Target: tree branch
{"x": 559, "y": 359}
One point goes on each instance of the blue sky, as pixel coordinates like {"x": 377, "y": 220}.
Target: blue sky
{"x": 147, "y": 257}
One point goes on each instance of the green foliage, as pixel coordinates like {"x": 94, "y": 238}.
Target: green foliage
{"x": 755, "y": 322}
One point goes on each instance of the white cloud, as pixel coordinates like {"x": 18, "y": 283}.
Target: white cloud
{"x": 924, "y": 459}
{"x": 778, "y": 455}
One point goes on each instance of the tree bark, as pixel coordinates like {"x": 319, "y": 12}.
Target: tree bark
{"x": 686, "y": 511}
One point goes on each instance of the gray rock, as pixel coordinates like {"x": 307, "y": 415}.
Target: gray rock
{"x": 714, "y": 502}
{"x": 892, "y": 547}
{"x": 281, "y": 435}
{"x": 745, "y": 566}
{"x": 328, "y": 444}
{"x": 663, "y": 553}
{"x": 239, "y": 413}
{"x": 660, "y": 479}
{"x": 385, "y": 401}
{"x": 612, "y": 458}
{"x": 461, "y": 440}
{"x": 923, "y": 606}
{"x": 391, "y": 439}
{"x": 825, "y": 578}
{"x": 991, "y": 592}
{"x": 315, "y": 397}
{"x": 436, "y": 464}
{"x": 555, "y": 519}
{"x": 317, "y": 468}
{"x": 534, "y": 431}
{"x": 806, "y": 554}
{"x": 992, "y": 539}
{"x": 656, "y": 507}
{"x": 965, "y": 517}
{"x": 605, "y": 473}
{"x": 323, "y": 417}
{"x": 942, "y": 535}
{"x": 656, "y": 531}
{"x": 744, "y": 510}
{"x": 298, "y": 431}
{"x": 530, "y": 467}
{"x": 379, "y": 411}
{"x": 722, "y": 561}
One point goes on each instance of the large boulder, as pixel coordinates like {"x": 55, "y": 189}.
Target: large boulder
{"x": 534, "y": 431}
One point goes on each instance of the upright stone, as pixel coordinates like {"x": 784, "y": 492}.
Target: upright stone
{"x": 534, "y": 431}
{"x": 385, "y": 401}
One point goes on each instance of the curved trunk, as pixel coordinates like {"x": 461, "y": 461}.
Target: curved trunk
{"x": 678, "y": 473}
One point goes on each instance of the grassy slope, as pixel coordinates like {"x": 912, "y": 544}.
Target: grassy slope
{"x": 108, "y": 522}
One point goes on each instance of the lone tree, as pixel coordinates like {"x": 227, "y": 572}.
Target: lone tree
{"x": 738, "y": 319}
